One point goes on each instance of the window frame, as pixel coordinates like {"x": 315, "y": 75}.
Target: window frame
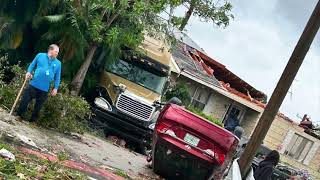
{"x": 298, "y": 148}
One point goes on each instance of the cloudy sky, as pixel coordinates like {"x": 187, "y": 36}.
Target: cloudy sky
{"x": 257, "y": 45}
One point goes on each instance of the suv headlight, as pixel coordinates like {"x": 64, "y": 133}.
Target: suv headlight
{"x": 102, "y": 103}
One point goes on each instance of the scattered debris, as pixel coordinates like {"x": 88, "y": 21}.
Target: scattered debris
{"x": 7, "y": 137}
{"x": 117, "y": 141}
{"x": 43, "y": 169}
{"x": 21, "y": 176}
{"x": 7, "y": 155}
{"x": 112, "y": 139}
{"x": 56, "y": 149}
{"x": 107, "y": 168}
{"x": 91, "y": 178}
{"x": 102, "y": 153}
{"x": 76, "y": 136}
{"x": 84, "y": 158}
{"x": 122, "y": 143}
{"x": 26, "y": 141}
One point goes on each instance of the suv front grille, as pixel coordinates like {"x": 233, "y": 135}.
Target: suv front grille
{"x": 134, "y": 108}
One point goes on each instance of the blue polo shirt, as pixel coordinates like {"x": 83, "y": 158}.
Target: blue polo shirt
{"x": 45, "y": 70}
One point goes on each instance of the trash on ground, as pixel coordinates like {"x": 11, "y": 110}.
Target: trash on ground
{"x": 7, "y": 155}
{"x": 26, "y": 140}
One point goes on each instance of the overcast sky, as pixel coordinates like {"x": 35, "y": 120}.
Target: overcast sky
{"x": 257, "y": 45}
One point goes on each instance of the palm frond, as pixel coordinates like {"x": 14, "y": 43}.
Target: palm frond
{"x": 54, "y": 18}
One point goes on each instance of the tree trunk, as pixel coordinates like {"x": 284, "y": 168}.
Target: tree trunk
{"x": 77, "y": 81}
{"x": 101, "y": 58}
{"x": 188, "y": 15}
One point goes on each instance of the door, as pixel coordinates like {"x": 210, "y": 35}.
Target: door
{"x": 236, "y": 110}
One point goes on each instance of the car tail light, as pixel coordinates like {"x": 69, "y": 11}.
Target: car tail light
{"x": 220, "y": 158}
{"x": 161, "y": 127}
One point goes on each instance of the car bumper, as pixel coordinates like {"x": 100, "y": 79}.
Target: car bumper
{"x": 121, "y": 126}
{"x": 176, "y": 163}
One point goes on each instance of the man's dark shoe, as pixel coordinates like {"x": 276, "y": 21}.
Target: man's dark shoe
{"x": 19, "y": 118}
{"x": 32, "y": 120}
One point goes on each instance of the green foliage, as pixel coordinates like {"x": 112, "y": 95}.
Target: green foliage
{"x": 121, "y": 173}
{"x": 7, "y": 167}
{"x": 17, "y": 17}
{"x": 63, "y": 112}
{"x": 8, "y": 92}
{"x": 180, "y": 91}
{"x": 215, "y": 11}
{"x": 209, "y": 118}
{"x": 29, "y": 26}
{"x": 62, "y": 156}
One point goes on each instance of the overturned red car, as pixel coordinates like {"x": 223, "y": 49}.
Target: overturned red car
{"x": 186, "y": 146}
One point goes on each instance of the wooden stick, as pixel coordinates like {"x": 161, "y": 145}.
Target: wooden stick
{"x": 18, "y": 97}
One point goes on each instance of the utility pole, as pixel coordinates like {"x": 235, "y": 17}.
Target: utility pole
{"x": 280, "y": 91}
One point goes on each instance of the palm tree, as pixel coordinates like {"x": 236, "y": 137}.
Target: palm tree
{"x": 89, "y": 25}
{"x": 17, "y": 16}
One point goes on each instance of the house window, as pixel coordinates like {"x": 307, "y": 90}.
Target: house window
{"x": 235, "y": 110}
{"x": 298, "y": 147}
{"x": 200, "y": 98}
{"x": 198, "y": 104}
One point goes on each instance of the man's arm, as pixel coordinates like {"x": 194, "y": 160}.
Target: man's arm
{"x": 57, "y": 78}
{"x": 31, "y": 67}
{"x": 33, "y": 64}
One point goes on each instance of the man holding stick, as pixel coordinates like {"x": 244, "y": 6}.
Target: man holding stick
{"x": 44, "y": 69}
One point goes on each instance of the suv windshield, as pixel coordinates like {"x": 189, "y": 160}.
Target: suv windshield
{"x": 133, "y": 72}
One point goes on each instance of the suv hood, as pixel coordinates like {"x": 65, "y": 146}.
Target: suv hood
{"x": 108, "y": 80}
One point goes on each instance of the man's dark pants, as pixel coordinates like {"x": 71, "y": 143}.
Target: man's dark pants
{"x": 29, "y": 94}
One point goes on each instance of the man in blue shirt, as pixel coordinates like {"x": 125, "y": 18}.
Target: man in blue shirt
{"x": 231, "y": 123}
{"x": 44, "y": 69}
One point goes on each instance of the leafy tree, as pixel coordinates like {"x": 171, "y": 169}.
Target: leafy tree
{"x": 180, "y": 91}
{"x": 207, "y": 10}
{"x": 87, "y": 29}
{"x": 84, "y": 26}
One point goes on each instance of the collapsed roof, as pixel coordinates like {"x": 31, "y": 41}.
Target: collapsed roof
{"x": 188, "y": 65}
{"x": 218, "y": 71}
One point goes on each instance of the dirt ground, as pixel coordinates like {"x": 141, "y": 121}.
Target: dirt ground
{"x": 86, "y": 148}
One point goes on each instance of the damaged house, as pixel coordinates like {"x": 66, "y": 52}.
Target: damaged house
{"x": 214, "y": 89}
{"x": 218, "y": 92}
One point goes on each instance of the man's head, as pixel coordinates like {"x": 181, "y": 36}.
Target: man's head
{"x": 53, "y": 51}
{"x": 274, "y": 157}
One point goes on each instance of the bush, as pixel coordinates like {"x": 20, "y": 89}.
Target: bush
{"x": 63, "y": 112}
{"x": 180, "y": 91}
{"x": 202, "y": 114}
{"x": 9, "y": 91}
